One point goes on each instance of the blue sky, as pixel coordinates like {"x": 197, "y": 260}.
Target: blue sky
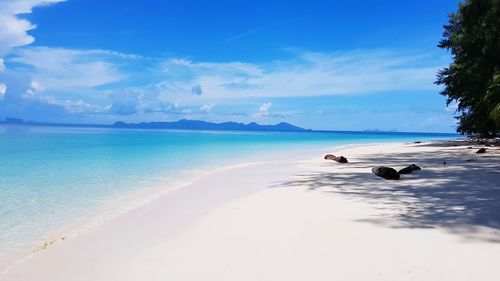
{"x": 340, "y": 65}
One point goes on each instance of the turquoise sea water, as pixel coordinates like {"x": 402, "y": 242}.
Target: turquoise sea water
{"x": 52, "y": 177}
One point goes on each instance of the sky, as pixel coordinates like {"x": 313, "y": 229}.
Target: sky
{"x": 334, "y": 65}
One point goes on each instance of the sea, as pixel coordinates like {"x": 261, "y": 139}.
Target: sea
{"x": 54, "y": 180}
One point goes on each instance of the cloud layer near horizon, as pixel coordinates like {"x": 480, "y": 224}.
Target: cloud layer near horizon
{"x": 103, "y": 81}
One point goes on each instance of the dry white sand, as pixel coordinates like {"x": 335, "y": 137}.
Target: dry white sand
{"x": 303, "y": 220}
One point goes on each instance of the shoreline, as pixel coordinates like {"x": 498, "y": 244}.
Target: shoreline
{"x": 286, "y": 172}
{"x": 146, "y": 194}
{"x": 85, "y": 228}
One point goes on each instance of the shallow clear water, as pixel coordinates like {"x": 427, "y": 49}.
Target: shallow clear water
{"x": 51, "y": 177}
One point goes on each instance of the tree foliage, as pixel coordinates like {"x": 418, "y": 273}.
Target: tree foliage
{"x": 472, "y": 80}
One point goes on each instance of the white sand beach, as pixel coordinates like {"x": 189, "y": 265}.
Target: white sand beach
{"x": 306, "y": 219}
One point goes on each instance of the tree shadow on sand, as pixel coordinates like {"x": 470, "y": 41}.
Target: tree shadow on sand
{"x": 461, "y": 196}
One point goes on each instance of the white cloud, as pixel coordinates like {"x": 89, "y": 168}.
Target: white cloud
{"x": 265, "y": 107}
{"x": 3, "y": 89}
{"x": 264, "y": 111}
{"x": 14, "y": 30}
{"x": 207, "y": 107}
{"x": 67, "y": 69}
{"x": 71, "y": 106}
{"x": 186, "y": 67}
{"x": 80, "y": 106}
{"x": 17, "y": 7}
{"x": 37, "y": 85}
{"x": 306, "y": 74}
{"x": 2, "y": 65}
{"x": 185, "y": 77}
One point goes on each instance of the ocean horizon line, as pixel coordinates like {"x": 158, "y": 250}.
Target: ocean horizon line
{"x": 268, "y": 127}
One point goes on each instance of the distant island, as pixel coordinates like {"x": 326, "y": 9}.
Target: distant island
{"x": 203, "y": 125}
{"x": 182, "y": 124}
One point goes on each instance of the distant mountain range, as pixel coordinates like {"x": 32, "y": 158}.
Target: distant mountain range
{"x": 179, "y": 125}
{"x": 202, "y": 125}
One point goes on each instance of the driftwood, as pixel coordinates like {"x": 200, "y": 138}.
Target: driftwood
{"x": 340, "y": 159}
{"x": 409, "y": 169}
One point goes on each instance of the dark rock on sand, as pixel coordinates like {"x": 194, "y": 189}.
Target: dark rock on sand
{"x": 340, "y": 159}
{"x": 481, "y": 150}
{"x": 387, "y": 173}
{"x": 409, "y": 169}
{"x": 417, "y": 142}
